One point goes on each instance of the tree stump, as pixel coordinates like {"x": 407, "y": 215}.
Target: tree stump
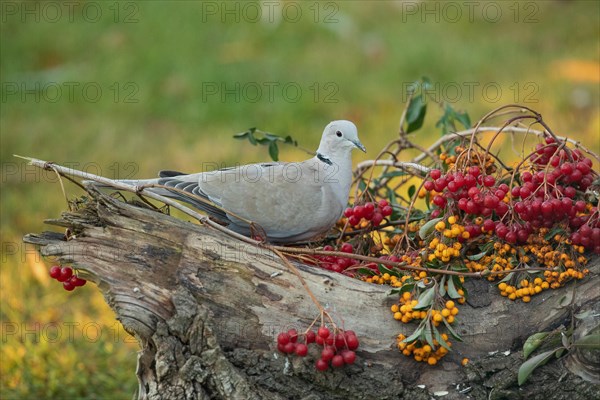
{"x": 206, "y": 308}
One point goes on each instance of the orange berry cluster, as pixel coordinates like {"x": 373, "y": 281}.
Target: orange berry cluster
{"x": 423, "y": 352}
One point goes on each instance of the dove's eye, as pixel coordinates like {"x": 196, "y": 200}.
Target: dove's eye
{"x": 339, "y": 134}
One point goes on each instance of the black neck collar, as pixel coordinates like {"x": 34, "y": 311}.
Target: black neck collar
{"x": 326, "y": 160}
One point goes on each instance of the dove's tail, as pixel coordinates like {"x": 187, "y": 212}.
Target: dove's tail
{"x": 184, "y": 188}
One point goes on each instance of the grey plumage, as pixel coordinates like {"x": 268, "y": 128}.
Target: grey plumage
{"x": 291, "y": 202}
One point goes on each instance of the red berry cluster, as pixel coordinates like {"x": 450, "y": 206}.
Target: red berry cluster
{"x": 540, "y": 198}
{"x": 473, "y": 193}
{"x": 65, "y": 275}
{"x": 371, "y": 211}
{"x": 337, "y": 264}
{"x": 338, "y": 348}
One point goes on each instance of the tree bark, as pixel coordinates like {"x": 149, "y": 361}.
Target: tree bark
{"x": 206, "y": 309}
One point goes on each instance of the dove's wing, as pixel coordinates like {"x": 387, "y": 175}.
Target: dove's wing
{"x": 288, "y": 200}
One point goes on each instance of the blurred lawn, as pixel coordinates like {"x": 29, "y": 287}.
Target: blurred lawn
{"x": 156, "y": 64}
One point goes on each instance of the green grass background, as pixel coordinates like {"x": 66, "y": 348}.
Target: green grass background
{"x": 163, "y": 55}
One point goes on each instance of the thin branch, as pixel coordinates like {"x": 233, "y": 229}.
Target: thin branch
{"x": 508, "y": 129}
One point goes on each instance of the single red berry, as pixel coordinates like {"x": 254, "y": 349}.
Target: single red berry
{"x": 354, "y": 220}
{"x": 439, "y": 201}
{"x": 281, "y": 347}
{"x": 352, "y": 342}
{"x": 440, "y": 184}
{"x": 474, "y": 171}
{"x": 55, "y": 271}
{"x": 65, "y": 274}
{"x": 310, "y": 337}
{"x": 68, "y": 286}
{"x": 321, "y": 365}
{"x": 346, "y": 248}
{"x": 377, "y": 218}
{"x": 566, "y": 168}
{"x": 435, "y": 173}
{"x": 359, "y": 211}
{"x": 301, "y": 349}
{"x": 369, "y": 207}
{"x": 349, "y": 356}
{"x": 77, "y": 281}
{"x": 293, "y": 334}
{"x": 428, "y": 185}
{"x": 323, "y": 332}
{"x": 387, "y": 211}
{"x": 383, "y": 203}
{"x": 340, "y": 341}
{"x": 489, "y": 180}
{"x": 327, "y": 353}
{"x": 319, "y": 340}
{"x": 348, "y": 212}
{"x": 489, "y": 225}
{"x": 511, "y": 237}
{"x": 283, "y": 338}
{"x": 290, "y": 347}
{"x": 337, "y": 361}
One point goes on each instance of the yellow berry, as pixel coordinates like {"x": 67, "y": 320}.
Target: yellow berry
{"x": 450, "y": 304}
{"x": 394, "y": 308}
{"x": 464, "y": 361}
{"x": 432, "y": 361}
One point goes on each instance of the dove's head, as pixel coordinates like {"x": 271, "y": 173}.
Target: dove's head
{"x": 339, "y": 137}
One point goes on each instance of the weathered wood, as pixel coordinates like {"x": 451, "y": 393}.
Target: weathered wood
{"x": 206, "y": 308}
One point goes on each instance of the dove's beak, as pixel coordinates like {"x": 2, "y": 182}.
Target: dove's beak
{"x": 360, "y": 146}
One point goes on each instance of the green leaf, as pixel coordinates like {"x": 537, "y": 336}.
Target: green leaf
{"x": 530, "y": 365}
{"x": 415, "y": 335}
{"x": 440, "y": 339}
{"x": 477, "y": 257}
{"x": 452, "y": 332}
{"x": 411, "y": 191}
{"x": 589, "y": 342}
{"x": 415, "y": 114}
{"x": 533, "y": 342}
{"x": 362, "y": 185}
{"x": 464, "y": 119}
{"x": 553, "y": 232}
{"x": 426, "y": 229}
{"x": 366, "y": 271}
{"x": 442, "y": 290}
{"x": 274, "y": 151}
{"x": 407, "y": 287}
{"x": 425, "y": 299}
{"x": 383, "y": 269}
{"x": 429, "y": 334}
{"x": 452, "y": 292}
{"x": 446, "y": 121}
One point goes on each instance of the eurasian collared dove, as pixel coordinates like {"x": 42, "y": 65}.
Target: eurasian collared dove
{"x": 290, "y": 201}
